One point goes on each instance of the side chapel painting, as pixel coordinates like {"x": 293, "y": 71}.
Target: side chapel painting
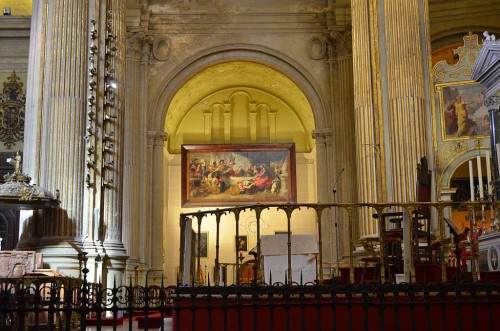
{"x": 228, "y": 175}
{"x": 463, "y": 112}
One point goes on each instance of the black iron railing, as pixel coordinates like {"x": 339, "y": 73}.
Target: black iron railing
{"x": 68, "y": 304}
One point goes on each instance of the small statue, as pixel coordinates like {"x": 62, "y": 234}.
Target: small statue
{"x": 488, "y": 36}
{"x": 16, "y": 162}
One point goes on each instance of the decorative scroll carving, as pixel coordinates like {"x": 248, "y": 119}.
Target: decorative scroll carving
{"x": 462, "y": 70}
{"x": 451, "y": 149}
{"x": 12, "y": 103}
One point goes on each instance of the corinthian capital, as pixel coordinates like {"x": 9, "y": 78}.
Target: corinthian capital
{"x": 492, "y": 102}
{"x": 341, "y": 43}
{"x": 139, "y": 45}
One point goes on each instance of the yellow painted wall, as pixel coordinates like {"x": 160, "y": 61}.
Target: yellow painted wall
{"x": 17, "y": 7}
{"x": 302, "y": 222}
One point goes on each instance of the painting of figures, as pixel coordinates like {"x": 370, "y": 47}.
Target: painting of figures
{"x": 463, "y": 113}
{"x": 229, "y": 175}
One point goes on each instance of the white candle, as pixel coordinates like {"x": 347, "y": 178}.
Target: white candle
{"x": 480, "y": 177}
{"x": 498, "y": 153}
{"x": 471, "y": 178}
{"x": 488, "y": 172}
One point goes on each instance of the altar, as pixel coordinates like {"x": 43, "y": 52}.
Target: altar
{"x": 274, "y": 250}
{"x": 489, "y": 252}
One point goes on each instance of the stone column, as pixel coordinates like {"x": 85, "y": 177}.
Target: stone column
{"x": 390, "y": 57}
{"x": 405, "y": 76}
{"x": 366, "y": 107}
{"x": 157, "y": 184}
{"x": 340, "y": 58}
{"x": 55, "y": 130}
{"x": 327, "y": 230}
{"x": 138, "y": 54}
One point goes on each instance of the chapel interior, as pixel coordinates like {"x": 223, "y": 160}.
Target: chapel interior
{"x": 100, "y": 97}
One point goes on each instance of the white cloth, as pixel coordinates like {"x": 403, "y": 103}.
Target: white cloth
{"x": 278, "y": 244}
{"x": 275, "y": 255}
{"x": 277, "y": 267}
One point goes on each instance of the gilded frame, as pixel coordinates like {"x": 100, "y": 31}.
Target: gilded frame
{"x": 464, "y": 118}
{"x": 232, "y": 175}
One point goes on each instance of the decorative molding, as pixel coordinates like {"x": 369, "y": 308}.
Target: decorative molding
{"x": 451, "y": 149}
{"x": 155, "y": 138}
{"x": 12, "y": 109}
{"x": 316, "y": 47}
{"x": 492, "y": 102}
{"x": 162, "y": 48}
{"x": 487, "y": 69}
{"x": 462, "y": 70}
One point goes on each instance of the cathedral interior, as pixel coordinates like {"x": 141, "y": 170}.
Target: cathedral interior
{"x": 103, "y": 99}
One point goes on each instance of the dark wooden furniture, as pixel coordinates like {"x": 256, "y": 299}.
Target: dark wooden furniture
{"x": 420, "y": 221}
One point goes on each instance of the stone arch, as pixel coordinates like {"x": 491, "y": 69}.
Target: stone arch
{"x": 449, "y": 170}
{"x": 272, "y": 58}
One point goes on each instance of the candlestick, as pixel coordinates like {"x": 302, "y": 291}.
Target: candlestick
{"x": 488, "y": 172}
{"x": 498, "y": 153}
{"x": 471, "y": 179}
{"x": 480, "y": 177}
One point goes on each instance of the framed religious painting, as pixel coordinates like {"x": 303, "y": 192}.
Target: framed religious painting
{"x": 463, "y": 115}
{"x": 232, "y": 175}
{"x": 203, "y": 244}
{"x": 242, "y": 243}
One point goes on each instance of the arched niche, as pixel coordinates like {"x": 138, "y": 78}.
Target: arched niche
{"x": 239, "y": 102}
{"x": 282, "y": 79}
{"x": 455, "y": 183}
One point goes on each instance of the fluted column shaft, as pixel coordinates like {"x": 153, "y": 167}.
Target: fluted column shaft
{"x": 57, "y": 107}
{"x": 366, "y": 106}
{"x": 344, "y": 155}
{"x": 390, "y": 81}
{"x": 405, "y": 94}
{"x": 113, "y": 193}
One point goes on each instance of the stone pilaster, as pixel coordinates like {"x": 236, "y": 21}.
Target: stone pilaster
{"x": 138, "y": 54}
{"x": 157, "y": 184}
{"x": 328, "y": 236}
{"x": 340, "y": 59}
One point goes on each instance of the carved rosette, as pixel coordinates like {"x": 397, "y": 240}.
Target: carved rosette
{"x": 12, "y": 103}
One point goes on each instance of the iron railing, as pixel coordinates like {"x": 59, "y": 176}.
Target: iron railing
{"x": 68, "y": 304}
{"x": 353, "y": 213}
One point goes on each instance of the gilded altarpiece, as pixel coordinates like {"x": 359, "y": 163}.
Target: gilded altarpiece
{"x": 460, "y": 118}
